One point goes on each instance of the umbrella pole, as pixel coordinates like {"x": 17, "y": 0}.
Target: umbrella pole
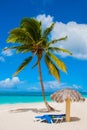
{"x": 68, "y": 110}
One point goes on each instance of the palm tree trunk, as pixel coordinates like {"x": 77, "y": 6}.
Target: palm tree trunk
{"x": 49, "y": 108}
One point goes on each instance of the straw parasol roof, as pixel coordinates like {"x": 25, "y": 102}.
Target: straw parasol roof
{"x": 67, "y": 95}
{"x": 64, "y": 94}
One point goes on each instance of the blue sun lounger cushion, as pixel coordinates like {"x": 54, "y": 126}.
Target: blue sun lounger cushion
{"x": 49, "y": 118}
{"x": 45, "y": 118}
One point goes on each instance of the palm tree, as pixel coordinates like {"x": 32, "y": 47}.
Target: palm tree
{"x": 29, "y": 37}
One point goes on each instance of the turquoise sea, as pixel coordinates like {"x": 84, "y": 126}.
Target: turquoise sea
{"x": 32, "y": 97}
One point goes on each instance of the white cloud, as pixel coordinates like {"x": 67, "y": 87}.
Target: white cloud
{"x": 77, "y": 35}
{"x": 33, "y": 89}
{"x": 46, "y": 20}
{"x": 4, "y": 53}
{"x": 48, "y": 86}
{"x": 76, "y": 42}
{"x": 2, "y": 59}
{"x": 76, "y": 86}
{"x": 9, "y": 83}
{"x": 51, "y": 86}
{"x": 55, "y": 85}
{"x": 7, "y": 52}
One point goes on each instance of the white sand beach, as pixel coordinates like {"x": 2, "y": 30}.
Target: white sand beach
{"x": 21, "y": 116}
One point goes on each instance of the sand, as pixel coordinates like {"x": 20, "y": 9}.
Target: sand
{"x": 21, "y": 116}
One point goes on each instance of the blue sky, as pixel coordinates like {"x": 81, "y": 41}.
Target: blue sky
{"x": 70, "y": 19}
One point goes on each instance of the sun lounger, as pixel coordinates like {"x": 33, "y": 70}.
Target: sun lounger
{"x": 58, "y": 118}
{"x": 44, "y": 118}
{"x": 51, "y": 118}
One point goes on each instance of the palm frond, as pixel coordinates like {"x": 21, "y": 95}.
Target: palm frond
{"x": 52, "y": 67}
{"x": 59, "y": 49}
{"x": 40, "y": 57}
{"x": 23, "y": 65}
{"x": 58, "y": 62}
{"x": 48, "y": 30}
{"x": 63, "y": 38}
{"x": 20, "y": 35}
{"x": 32, "y": 26}
{"x": 35, "y": 65}
{"x": 22, "y": 48}
{"x": 57, "y": 40}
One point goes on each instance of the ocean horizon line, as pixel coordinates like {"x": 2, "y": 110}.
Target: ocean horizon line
{"x": 29, "y": 93}
{"x": 30, "y": 97}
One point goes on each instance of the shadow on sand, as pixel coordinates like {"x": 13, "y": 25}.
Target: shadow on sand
{"x": 43, "y": 110}
{"x": 74, "y": 119}
{"x": 28, "y": 109}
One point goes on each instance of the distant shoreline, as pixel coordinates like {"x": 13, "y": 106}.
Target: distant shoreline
{"x": 24, "y": 93}
{"x": 32, "y": 98}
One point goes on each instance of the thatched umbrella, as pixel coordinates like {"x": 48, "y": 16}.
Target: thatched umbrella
{"x": 67, "y": 95}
